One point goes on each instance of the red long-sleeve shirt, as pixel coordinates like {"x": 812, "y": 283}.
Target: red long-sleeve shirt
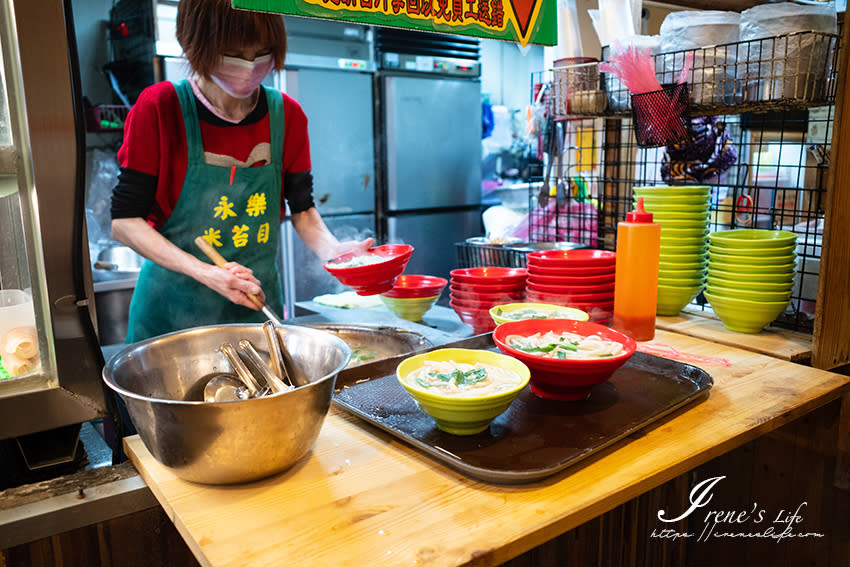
{"x": 154, "y": 155}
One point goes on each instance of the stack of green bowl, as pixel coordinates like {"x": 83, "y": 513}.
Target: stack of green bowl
{"x": 750, "y": 276}
{"x": 683, "y": 213}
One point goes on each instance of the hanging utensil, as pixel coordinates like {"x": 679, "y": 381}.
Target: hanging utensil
{"x": 560, "y": 183}
{"x": 219, "y": 261}
{"x": 551, "y": 143}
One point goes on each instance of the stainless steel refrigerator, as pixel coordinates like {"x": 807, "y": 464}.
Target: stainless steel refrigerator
{"x": 330, "y": 68}
{"x": 429, "y": 133}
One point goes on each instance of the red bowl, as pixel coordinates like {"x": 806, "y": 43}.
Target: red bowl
{"x": 478, "y": 319}
{"x": 480, "y": 302}
{"x": 485, "y": 288}
{"x": 561, "y": 299}
{"x": 372, "y": 279}
{"x": 564, "y": 379}
{"x": 414, "y": 285}
{"x": 577, "y": 281}
{"x": 573, "y": 258}
{"x": 570, "y": 289}
{"x": 489, "y": 275}
{"x": 562, "y": 294}
{"x": 516, "y": 293}
{"x": 582, "y": 271}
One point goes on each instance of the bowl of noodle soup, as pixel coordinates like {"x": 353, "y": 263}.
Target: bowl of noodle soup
{"x": 462, "y": 389}
{"x": 566, "y": 357}
{"x": 371, "y": 273}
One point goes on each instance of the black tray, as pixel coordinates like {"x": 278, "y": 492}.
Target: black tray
{"x": 535, "y": 437}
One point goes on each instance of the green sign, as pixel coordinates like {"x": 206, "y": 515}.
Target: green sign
{"x": 525, "y": 21}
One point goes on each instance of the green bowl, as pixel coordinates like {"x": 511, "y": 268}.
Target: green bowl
{"x": 745, "y": 285}
{"x": 677, "y": 233}
{"x": 409, "y": 308}
{"x": 744, "y": 316}
{"x": 684, "y": 224}
{"x": 499, "y": 312}
{"x": 679, "y": 266}
{"x": 668, "y": 281}
{"x": 671, "y": 299}
{"x": 660, "y": 207}
{"x": 697, "y": 241}
{"x": 749, "y": 294}
{"x": 677, "y": 190}
{"x": 463, "y": 415}
{"x": 756, "y": 275}
{"x": 665, "y": 216}
{"x": 764, "y": 269}
{"x": 683, "y": 258}
{"x": 697, "y": 249}
{"x": 697, "y": 274}
{"x": 753, "y": 238}
{"x": 714, "y": 255}
{"x": 765, "y": 251}
{"x": 697, "y": 201}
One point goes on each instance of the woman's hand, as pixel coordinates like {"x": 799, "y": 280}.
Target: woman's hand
{"x": 233, "y": 281}
{"x": 315, "y": 234}
{"x": 356, "y": 247}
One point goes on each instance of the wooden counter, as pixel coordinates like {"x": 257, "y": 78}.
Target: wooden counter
{"x": 362, "y": 498}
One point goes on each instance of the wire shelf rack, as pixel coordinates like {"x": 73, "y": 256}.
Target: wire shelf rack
{"x": 760, "y": 115}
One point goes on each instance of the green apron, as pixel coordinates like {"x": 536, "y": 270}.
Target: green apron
{"x": 241, "y": 220}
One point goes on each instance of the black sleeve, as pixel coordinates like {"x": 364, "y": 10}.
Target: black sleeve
{"x": 298, "y": 188}
{"x": 134, "y": 195}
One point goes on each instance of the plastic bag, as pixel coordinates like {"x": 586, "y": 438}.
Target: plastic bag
{"x": 709, "y": 33}
{"x": 787, "y": 66}
{"x": 102, "y": 177}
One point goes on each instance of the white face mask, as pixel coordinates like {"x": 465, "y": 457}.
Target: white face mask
{"x": 240, "y": 78}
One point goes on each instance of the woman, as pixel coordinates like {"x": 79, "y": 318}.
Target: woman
{"x": 215, "y": 156}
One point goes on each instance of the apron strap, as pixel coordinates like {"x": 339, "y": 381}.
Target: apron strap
{"x": 194, "y": 144}
{"x": 276, "y": 123}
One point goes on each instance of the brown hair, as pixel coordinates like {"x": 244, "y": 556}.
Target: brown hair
{"x": 208, "y": 28}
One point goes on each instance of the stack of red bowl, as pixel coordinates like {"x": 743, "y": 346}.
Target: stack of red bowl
{"x": 473, "y": 291}
{"x": 582, "y": 278}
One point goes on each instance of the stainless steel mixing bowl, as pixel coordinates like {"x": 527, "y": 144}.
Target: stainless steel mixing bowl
{"x": 162, "y": 379}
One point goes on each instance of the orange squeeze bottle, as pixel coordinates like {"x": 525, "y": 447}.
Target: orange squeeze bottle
{"x": 636, "y": 276}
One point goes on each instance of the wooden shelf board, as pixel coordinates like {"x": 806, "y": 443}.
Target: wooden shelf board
{"x": 778, "y": 343}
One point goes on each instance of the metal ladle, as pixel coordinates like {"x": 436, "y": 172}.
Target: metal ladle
{"x": 225, "y": 387}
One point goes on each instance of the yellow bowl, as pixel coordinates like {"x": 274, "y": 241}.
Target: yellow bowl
{"x": 672, "y": 298}
{"x": 463, "y": 415}
{"x": 509, "y": 312}
{"x": 409, "y": 308}
{"x": 753, "y": 238}
{"x": 748, "y": 294}
{"x": 754, "y": 285}
{"x": 743, "y": 316}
